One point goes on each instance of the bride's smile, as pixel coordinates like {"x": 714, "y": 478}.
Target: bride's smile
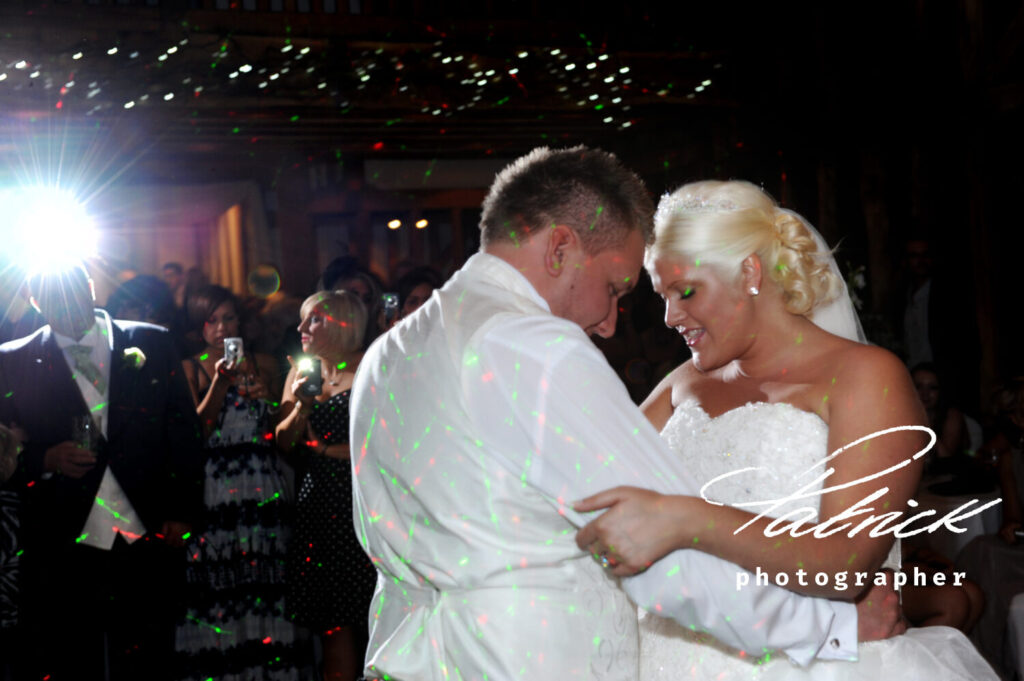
{"x": 709, "y": 312}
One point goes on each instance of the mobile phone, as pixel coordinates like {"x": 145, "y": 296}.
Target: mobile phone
{"x": 390, "y": 306}
{"x": 233, "y": 350}
{"x": 314, "y": 385}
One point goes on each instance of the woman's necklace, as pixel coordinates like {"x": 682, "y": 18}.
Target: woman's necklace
{"x": 342, "y": 367}
{"x": 338, "y": 376}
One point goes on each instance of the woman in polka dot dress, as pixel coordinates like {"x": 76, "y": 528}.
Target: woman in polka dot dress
{"x": 331, "y": 580}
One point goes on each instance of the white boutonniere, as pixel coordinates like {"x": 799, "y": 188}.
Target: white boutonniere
{"x": 134, "y": 357}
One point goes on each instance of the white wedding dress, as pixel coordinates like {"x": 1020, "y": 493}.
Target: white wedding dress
{"x": 784, "y": 444}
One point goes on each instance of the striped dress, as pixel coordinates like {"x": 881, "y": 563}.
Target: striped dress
{"x": 235, "y": 628}
{"x": 8, "y": 558}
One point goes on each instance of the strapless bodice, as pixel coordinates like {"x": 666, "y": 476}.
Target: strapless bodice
{"x": 754, "y": 453}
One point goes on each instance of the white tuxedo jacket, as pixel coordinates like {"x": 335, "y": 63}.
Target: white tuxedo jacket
{"x": 476, "y": 423}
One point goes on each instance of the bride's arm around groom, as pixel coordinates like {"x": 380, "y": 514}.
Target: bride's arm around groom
{"x": 585, "y": 433}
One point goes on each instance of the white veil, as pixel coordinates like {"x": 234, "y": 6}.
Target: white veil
{"x": 837, "y": 316}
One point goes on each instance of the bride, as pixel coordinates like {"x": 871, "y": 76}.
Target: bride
{"x": 779, "y": 377}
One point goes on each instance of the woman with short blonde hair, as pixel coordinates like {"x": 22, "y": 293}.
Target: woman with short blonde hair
{"x": 330, "y": 578}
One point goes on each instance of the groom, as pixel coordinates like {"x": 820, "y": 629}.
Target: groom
{"x": 478, "y": 421}
{"x": 103, "y": 516}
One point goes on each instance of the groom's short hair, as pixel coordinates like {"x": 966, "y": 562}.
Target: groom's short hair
{"x": 587, "y": 189}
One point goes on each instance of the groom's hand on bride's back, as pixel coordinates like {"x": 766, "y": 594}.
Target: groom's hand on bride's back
{"x": 878, "y": 612}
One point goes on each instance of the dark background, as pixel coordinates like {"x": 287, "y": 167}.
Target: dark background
{"x": 877, "y": 121}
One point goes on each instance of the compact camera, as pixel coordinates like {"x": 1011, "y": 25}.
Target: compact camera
{"x": 233, "y": 350}
{"x": 314, "y": 385}
{"x": 390, "y": 301}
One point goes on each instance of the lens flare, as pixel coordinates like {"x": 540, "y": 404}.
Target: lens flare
{"x": 48, "y": 229}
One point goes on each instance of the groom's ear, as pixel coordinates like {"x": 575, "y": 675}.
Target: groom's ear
{"x": 561, "y": 239}
{"x": 750, "y": 271}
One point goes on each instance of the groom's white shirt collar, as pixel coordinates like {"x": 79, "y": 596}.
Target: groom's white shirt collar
{"x": 505, "y": 275}
{"x": 100, "y": 340}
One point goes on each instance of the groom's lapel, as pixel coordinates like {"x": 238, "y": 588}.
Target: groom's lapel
{"x": 121, "y": 383}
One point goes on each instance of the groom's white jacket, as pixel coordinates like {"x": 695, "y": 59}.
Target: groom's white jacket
{"x": 476, "y": 423}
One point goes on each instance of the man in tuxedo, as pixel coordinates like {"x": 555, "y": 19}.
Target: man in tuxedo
{"x": 111, "y": 481}
{"x": 478, "y": 419}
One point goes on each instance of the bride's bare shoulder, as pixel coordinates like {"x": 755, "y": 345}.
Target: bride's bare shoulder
{"x": 855, "y": 373}
{"x": 851, "y": 360}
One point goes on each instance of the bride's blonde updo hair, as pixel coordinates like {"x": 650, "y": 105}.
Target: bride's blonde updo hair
{"x": 721, "y": 223}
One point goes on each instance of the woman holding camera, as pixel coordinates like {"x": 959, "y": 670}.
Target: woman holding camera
{"x": 236, "y": 626}
{"x": 331, "y": 580}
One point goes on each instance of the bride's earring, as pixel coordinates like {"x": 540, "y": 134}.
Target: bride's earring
{"x": 753, "y": 290}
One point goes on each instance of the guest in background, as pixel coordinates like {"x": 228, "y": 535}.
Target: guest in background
{"x": 937, "y": 323}
{"x": 348, "y": 274}
{"x": 996, "y": 562}
{"x": 1006, "y": 445}
{"x": 173, "y": 275}
{"x": 281, "y": 337}
{"x": 143, "y": 298}
{"x": 947, "y": 604}
{"x": 954, "y": 448}
{"x": 400, "y": 269}
{"x": 331, "y": 581}
{"x": 236, "y": 625}
{"x": 415, "y": 287}
{"x": 111, "y": 482}
{"x": 252, "y": 325}
{"x": 10, "y": 444}
{"x": 195, "y": 281}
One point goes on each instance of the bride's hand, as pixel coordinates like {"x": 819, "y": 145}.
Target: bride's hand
{"x": 879, "y": 614}
{"x": 639, "y": 527}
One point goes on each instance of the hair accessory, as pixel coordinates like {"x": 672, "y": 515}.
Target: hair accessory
{"x": 753, "y": 290}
